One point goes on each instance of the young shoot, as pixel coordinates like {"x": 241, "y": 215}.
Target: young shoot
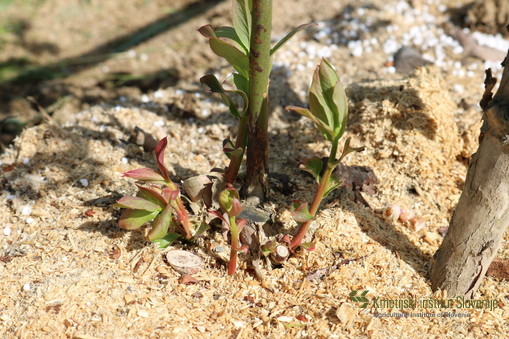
{"x": 328, "y": 109}
{"x": 157, "y": 202}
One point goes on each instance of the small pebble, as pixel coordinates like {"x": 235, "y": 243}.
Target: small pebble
{"x": 26, "y": 287}
{"x": 84, "y": 182}
{"x": 145, "y": 98}
{"x": 26, "y": 161}
{"x": 159, "y": 123}
{"x": 158, "y": 94}
{"x": 30, "y": 220}
{"x": 124, "y": 160}
{"x": 26, "y": 210}
{"x": 7, "y": 231}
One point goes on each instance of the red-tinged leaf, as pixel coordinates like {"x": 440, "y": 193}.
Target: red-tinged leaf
{"x": 220, "y": 216}
{"x": 151, "y": 194}
{"x": 144, "y": 174}
{"x": 161, "y": 224}
{"x": 137, "y": 203}
{"x": 207, "y": 31}
{"x": 313, "y": 166}
{"x": 302, "y": 317}
{"x": 187, "y": 279}
{"x": 170, "y": 194}
{"x": 229, "y": 201}
{"x": 241, "y": 223}
{"x": 89, "y": 213}
{"x": 133, "y": 219}
{"x": 286, "y": 239}
{"x": 236, "y": 208}
{"x": 182, "y": 216}
{"x": 308, "y": 246}
{"x": 159, "y": 151}
{"x": 230, "y": 150}
{"x": 300, "y": 211}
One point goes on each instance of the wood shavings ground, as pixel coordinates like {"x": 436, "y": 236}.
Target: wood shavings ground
{"x": 66, "y": 272}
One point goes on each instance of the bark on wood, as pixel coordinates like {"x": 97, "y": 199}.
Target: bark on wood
{"x": 482, "y": 215}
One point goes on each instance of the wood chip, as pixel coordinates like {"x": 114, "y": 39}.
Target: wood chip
{"x": 184, "y": 262}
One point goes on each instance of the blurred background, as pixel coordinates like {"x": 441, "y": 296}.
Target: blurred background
{"x": 58, "y": 57}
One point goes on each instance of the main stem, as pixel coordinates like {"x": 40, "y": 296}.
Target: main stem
{"x": 320, "y": 191}
{"x": 260, "y": 64}
{"x": 234, "y": 231}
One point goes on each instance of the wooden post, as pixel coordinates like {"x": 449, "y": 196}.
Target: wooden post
{"x": 482, "y": 215}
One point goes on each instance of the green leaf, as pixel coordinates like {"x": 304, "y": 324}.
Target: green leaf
{"x": 340, "y": 100}
{"x": 161, "y": 224}
{"x": 167, "y": 240}
{"x": 313, "y": 166}
{"x": 300, "y": 211}
{"x": 239, "y": 85}
{"x": 232, "y": 54}
{"x": 288, "y": 37}
{"x": 201, "y": 229}
{"x": 318, "y": 104}
{"x": 133, "y": 219}
{"x": 241, "y": 17}
{"x": 328, "y": 107}
{"x": 228, "y": 51}
{"x": 242, "y": 84}
{"x": 213, "y": 84}
{"x": 229, "y": 33}
{"x": 230, "y": 150}
{"x": 331, "y": 186}
{"x": 152, "y": 195}
{"x": 268, "y": 248}
{"x": 324, "y": 129}
{"x": 137, "y": 203}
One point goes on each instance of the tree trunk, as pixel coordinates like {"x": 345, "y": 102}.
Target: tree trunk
{"x": 260, "y": 65}
{"x": 482, "y": 215}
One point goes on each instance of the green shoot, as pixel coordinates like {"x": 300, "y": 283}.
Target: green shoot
{"x": 328, "y": 109}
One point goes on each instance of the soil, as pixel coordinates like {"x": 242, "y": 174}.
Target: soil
{"x": 68, "y": 270}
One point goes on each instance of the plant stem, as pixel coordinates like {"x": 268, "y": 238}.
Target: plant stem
{"x": 183, "y": 218}
{"x": 234, "y": 231}
{"x": 320, "y": 191}
{"x": 260, "y": 65}
{"x": 233, "y": 168}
